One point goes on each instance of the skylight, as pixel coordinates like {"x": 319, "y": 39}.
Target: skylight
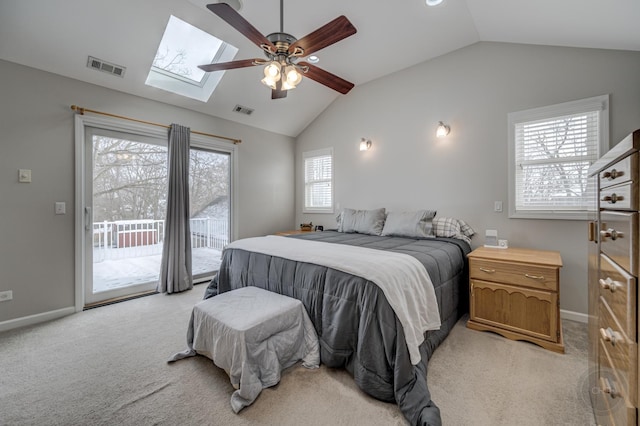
{"x": 183, "y": 47}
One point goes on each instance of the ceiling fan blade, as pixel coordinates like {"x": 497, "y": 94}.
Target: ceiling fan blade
{"x": 243, "y": 63}
{"x": 233, "y": 18}
{"x": 325, "y": 77}
{"x": 336, "y": 30}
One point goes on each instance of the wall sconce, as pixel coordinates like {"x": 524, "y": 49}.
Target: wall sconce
{"x": 365, "y": 144}
{"x": 443, "y": 130}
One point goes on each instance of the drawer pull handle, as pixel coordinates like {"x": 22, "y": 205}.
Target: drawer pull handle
{"x": 611, "y": 233}
{"x": 613, "y": 198}
{"x": 608, "y": 388}
{"x": 535, "y": 277}
{"x": 613, "y": 174}
{"x": 609, "y": 284}
{"x": 488, "y": 271}
{"x": 610, "y": 336}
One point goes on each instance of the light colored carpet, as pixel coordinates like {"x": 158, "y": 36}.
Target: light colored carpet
{"x": 107, "y": 366}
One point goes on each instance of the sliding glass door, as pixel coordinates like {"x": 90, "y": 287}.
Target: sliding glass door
{"x": 124, "y": 200}
{"x": 209, "y": 196}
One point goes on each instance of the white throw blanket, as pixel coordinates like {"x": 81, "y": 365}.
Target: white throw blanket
{"x": 402, "y": 278}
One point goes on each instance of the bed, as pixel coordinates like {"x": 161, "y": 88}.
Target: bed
{"x": 357, "y": 328}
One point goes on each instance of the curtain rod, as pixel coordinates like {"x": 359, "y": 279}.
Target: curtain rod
{"x": 81, "y": 111}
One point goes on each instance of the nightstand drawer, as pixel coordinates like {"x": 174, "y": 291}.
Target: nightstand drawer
{"x": 533, "y": 276}
{"x": 618, "y": 289}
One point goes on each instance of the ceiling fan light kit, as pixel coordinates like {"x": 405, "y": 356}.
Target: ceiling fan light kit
{"x": 282, "y": 70}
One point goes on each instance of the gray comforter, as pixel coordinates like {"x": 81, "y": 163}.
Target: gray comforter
{"x": 357, "y": 329}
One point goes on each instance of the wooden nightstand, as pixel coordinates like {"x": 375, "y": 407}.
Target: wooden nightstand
{"x": 516, "y": 293}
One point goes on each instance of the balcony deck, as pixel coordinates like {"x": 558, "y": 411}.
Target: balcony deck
{"x": 116, "y": 273}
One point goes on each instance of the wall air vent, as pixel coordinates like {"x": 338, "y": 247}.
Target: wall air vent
{"x": 242, "y": 110}
{"x": 104, "y": 66}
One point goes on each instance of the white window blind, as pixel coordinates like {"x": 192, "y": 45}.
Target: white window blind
{"x": 318, "y": 181}
{"x": 553, "y": 149}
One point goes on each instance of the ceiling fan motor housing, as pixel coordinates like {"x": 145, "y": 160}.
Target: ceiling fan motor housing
{"x": 281, "y": 41}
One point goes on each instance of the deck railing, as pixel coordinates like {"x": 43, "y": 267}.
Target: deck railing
{"x": 134, "y": 238}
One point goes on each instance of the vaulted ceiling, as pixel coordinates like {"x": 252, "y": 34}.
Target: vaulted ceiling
{"x": 58, "y": 36}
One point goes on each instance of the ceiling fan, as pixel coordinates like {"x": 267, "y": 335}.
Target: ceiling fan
{"x": 283, "y": 71}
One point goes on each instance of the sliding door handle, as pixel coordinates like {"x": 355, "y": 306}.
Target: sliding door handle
{"x": 87, "y": 219}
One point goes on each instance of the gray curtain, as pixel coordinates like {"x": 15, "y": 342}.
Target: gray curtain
{"x": 175, "y": 271}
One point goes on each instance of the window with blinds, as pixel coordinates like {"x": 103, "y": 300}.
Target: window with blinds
{"x": 318, "y": 181}
{"x": 553, "y": 148}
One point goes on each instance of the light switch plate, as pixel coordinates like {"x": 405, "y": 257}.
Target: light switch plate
{"x": 61, "y": 207}
{"x": 24, "y": 175}
{"x": 5, "y": 296}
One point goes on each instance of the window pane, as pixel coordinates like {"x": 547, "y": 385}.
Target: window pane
{"x": 318, "y": 178}
{"x": 553, "y": 148}
{"x": 209, "y": 196}
{"x": 563, "y": 137}
{"x": 553, "y": 186}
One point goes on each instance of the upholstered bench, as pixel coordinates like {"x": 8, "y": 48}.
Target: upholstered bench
{"x": 253, "y": 334}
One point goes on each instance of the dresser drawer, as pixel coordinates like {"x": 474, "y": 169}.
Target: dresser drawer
{"x": 620, "y": 349}
{"x": 620, "y": 172}
{"x": 619, "y": 197}
{"x": 618, "y": 289}
{"x": 612, "y": 388}
{"x": 618, "y": 239}
{"x": 534, "y": 276}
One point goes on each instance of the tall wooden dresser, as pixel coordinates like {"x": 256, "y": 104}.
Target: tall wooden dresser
{"x": 614, "y": 258}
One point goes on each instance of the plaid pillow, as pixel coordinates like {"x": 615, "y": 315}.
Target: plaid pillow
{"x": 466, "y": 229}
{"x": 449, "y": 227}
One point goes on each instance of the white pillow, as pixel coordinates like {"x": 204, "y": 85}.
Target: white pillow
{"x": 414, "y": 224}
{"x": 362, "y": 221}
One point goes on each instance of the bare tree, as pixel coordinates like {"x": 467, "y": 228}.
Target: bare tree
{"x": 130, "y": 179}
{"x": 172, "y": 63}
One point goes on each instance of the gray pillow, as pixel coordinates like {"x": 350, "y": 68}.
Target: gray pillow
{"x": 362, "y": 221}
{"x": 414, "y": 224}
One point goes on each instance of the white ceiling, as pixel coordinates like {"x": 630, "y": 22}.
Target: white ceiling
{"x": 57, "y": 36}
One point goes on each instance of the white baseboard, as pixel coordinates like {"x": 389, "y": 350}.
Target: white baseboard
{"x": 35, "y": 319}
{"x": 573, "y": 316}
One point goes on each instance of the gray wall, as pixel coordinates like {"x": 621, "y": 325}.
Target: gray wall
{"x": 472, "y": 89}
{"x": 37, "y": 132}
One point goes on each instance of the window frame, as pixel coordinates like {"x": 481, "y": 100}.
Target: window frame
{"x": 185, "y": 86}
{"x": 600, "y": 104}
{"x": 310, "y": 155}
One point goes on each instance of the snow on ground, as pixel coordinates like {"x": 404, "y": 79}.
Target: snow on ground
{"x": 110, "y": 274}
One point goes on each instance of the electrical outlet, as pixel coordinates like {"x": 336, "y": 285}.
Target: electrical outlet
{"x": 5, "y": 296}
